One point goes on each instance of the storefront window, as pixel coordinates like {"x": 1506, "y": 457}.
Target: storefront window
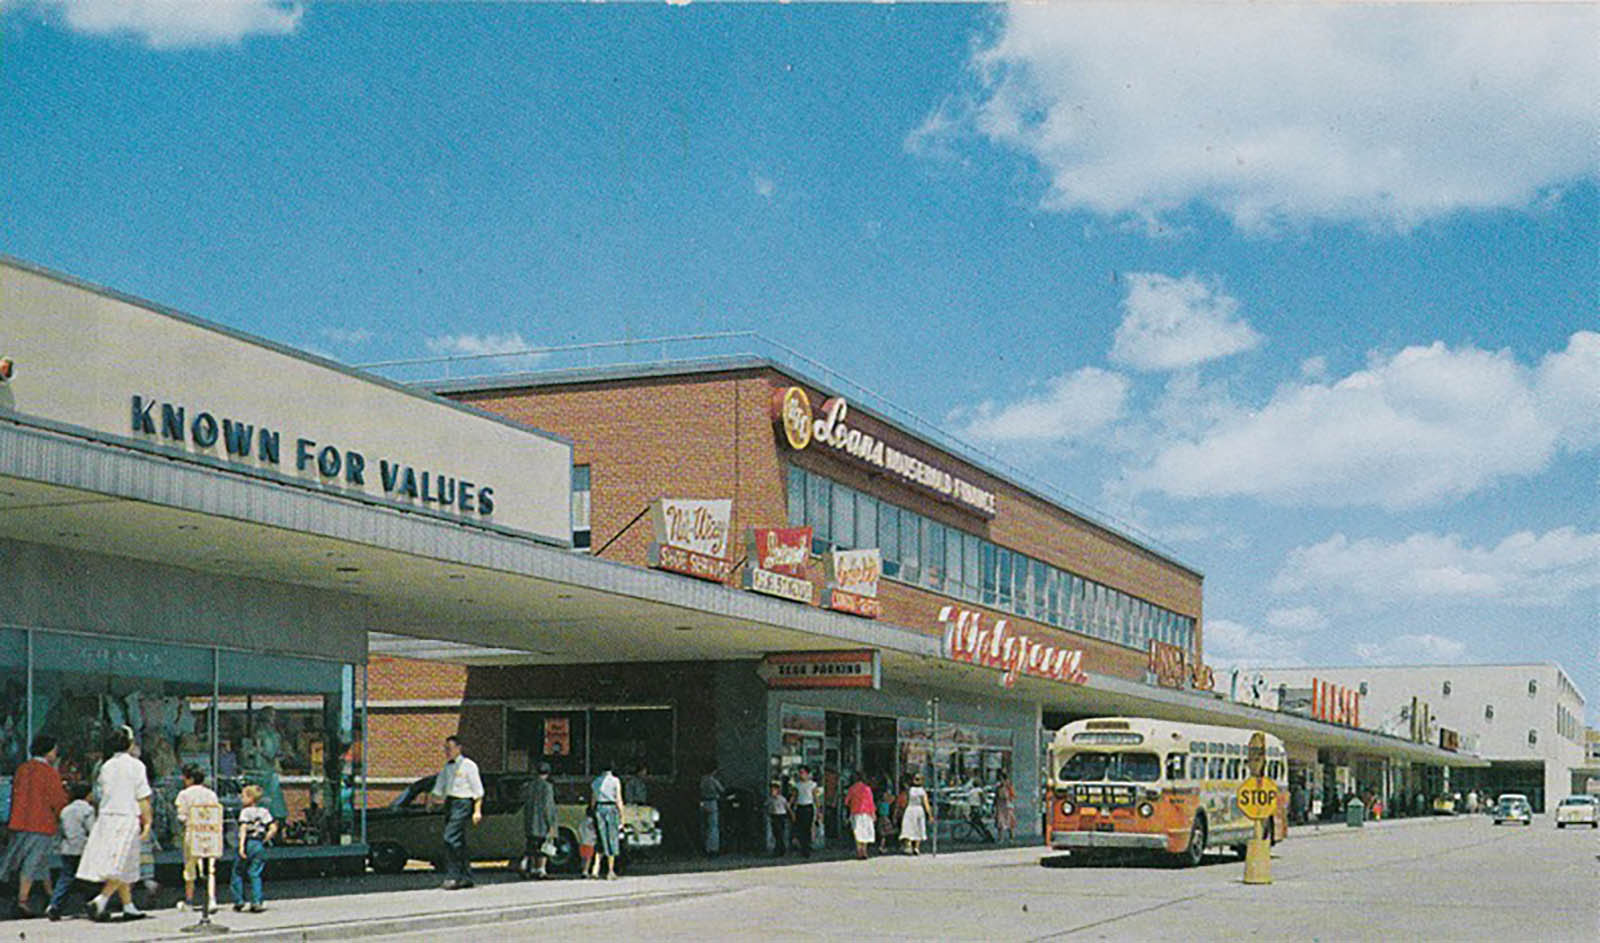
{"x": 910, "y": 546}
{"x": 953, "y": 569}
{"x": 576, "y": 741}
{"x": 558, "y": 736}
{"x": 818, "y": 503}
{"x": 843, "y": 526}
{"x": 13, "y": 709}
{"x": 1005, "y": 578}
{"x": 797, "y": 497}
{"x": 991, "y": 568}
{"x": 866, "y": 521}
{"x": 83, "y": 687}
{"x": 972, "y": 564}
{"x": 889, "y": 538}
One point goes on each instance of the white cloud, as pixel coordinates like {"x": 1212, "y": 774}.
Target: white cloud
{"x": 1407, "y": 431}
{"x": 173, "y": 24}
{"x": 346, "y": 336}
{"x": 1279, "y": 114}
{"x": 1072, "y": 406}
{"x": 1298, "y": 619}
{"x": 764, "y": 186}
{"x": 477, "y": 344}
{"x": 1426, "y": 649}
{"x": 1228, "y": 644}
{"x": 1523, "y": 569}
{"x": 1171, "y": 323}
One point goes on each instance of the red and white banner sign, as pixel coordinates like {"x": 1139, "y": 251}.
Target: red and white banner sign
{"x": 777, "y": 563}
{"x": 1335, "y": 704}
{"x": 691, "y": 536}
{"x": 821, "y": 670}
{"x": 967, "y": 639}
{"x": 853, "y": 582}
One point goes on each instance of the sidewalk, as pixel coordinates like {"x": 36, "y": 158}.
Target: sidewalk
{"x": 1338, "y": 826}
{"x": 356, "y": 915}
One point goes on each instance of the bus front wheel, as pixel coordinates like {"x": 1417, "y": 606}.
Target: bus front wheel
{"x": 1197, "y": 842}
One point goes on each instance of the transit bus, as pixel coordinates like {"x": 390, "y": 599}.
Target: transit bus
{"x": 1155, "y": 785}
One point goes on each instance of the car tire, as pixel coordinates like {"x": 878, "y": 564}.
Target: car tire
{"x": 387, "y": 858}
{"x": 1561, "y": 825}
{"x": 1196, "y": 851}
{"x": 566, "y": 860}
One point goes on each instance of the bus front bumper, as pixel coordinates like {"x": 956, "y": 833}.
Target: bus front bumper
{"x": 1126, "y": 840}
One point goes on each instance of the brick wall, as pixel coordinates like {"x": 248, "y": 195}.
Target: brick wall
{"x": 711, "y": 435}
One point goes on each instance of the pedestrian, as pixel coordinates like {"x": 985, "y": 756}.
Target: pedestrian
{"x": 111, "y": 855}
{"x": 885, "y": 798}
{"x": 914, "y": 824}
{"x": 778, "y": 818}
{"x": 900, "y": 803}
{"x": 460, "y": 787}
{"x": 1005, "y": 808}
{"x": 710, "y": 811}
{"x": 635, "y": 789}
{"x": 76, "y": 821}
{"x": 805, "y": 808}
{"x": 588, "y": 835}
{"x": 538, "y": 822}
{"x": 194, "y": 793}
{"x": 37, "y": 798}
{"x": 257, "y": 828}
{"x": 608, "y": 809}
{"x": 863, "y": 811}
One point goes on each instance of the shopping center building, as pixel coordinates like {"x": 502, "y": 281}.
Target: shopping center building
{"x": 303, "y": 575}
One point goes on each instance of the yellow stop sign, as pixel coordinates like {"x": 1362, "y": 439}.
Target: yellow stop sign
{"x": 1258, "y": 797}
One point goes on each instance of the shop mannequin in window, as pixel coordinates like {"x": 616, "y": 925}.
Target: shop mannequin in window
{"x": 263, "y": 753}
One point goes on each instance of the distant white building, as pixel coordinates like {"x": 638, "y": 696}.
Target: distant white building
{"x": 1526, "y": 720}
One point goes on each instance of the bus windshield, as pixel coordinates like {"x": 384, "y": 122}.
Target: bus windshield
{"x": 1122, "y": 767}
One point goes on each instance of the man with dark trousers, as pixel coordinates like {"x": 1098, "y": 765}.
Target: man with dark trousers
{"x": 461, "y": 788}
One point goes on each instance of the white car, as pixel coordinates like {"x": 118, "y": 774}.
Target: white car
{"x": 1578, "y": 810}
{"x": 1513, "y": 807}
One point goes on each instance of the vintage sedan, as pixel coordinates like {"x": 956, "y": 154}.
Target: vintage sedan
{"x": 406, "y": 829}
{"x": 1513, "y": 807}
{"x": 1578, "y": 810}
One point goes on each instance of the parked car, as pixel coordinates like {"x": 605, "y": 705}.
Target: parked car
{"x": 1513, "y": 807}
{"x": 1446, "y": 805}
{"x": 405, "y": 829}
{"x": 1578, "y": 810}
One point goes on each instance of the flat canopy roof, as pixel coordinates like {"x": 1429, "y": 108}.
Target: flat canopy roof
{"x": 441, "y": 589}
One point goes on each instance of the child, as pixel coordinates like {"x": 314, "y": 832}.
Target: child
{"x": 256, "y": 831}
{"x": 778, "y": 815}
{"x": 195, "y": 793}
{"x": 76, "y": 821}
{"x": 588, "y": 837}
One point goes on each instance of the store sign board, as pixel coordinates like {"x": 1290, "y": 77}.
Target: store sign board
{"x": 1168, "y": 664}
{"x": 777, "y": 563}
{"x": 557, "y": 736}
{"x": 853, "y": 582}
{"x": 1449, "y": 740}
{"x": 872, "y": 444}
{"x": 851, "y": 669}
{"x": 776, "y": 584}
{"x": 202, "y": 831}
{"x": 1335, "y": 703}
{"x": 691, "y": 536}
{"x": 967, "y": 638}
{"x": 194, "y": 392}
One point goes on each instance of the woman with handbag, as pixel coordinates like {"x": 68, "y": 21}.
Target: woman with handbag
{"x": 538, "y": 823}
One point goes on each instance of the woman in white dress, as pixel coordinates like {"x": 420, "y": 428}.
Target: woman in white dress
{"x": 111, "y": 855}
{"x": 914, "y": 824}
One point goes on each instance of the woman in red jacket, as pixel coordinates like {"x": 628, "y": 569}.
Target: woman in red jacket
{"x": 37, "y": 798}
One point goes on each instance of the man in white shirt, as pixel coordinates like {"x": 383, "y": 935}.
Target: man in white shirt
{"x": 461, "y": 788}
{"x": 805, "y": 808}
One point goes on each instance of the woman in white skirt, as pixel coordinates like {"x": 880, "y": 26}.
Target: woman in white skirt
{"x": 111, "y": 856}
{"x": 914, "y": 824}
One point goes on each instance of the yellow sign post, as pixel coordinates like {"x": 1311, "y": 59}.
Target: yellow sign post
{"x": 1258, "y": 800}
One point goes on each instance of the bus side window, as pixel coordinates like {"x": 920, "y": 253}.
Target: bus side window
{"x": 1197, "y": 767}
{"x": 1233, "y": 769}
{"x": 1216, "y": 767}
{"x": 1175, "y": 764}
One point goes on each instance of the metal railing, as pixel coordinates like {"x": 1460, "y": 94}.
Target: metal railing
{"x": 732, "y": 348}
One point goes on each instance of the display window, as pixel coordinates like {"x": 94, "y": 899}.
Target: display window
{"x": 286, "y": 723}
{"x": 575, "y": 741}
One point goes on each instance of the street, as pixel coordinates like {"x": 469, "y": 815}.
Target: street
{"x": 1428, "y": 879}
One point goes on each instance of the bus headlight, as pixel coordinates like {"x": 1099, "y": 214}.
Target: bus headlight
{"x": 655, "y": 816}
{"x": 1146, "y": 809}
{"x": 1067, "y": 807}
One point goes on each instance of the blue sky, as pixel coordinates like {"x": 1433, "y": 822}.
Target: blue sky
{"x": 1309, "y": 293}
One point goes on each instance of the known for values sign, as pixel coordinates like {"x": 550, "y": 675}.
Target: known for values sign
{"x": 853, "y": 582}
